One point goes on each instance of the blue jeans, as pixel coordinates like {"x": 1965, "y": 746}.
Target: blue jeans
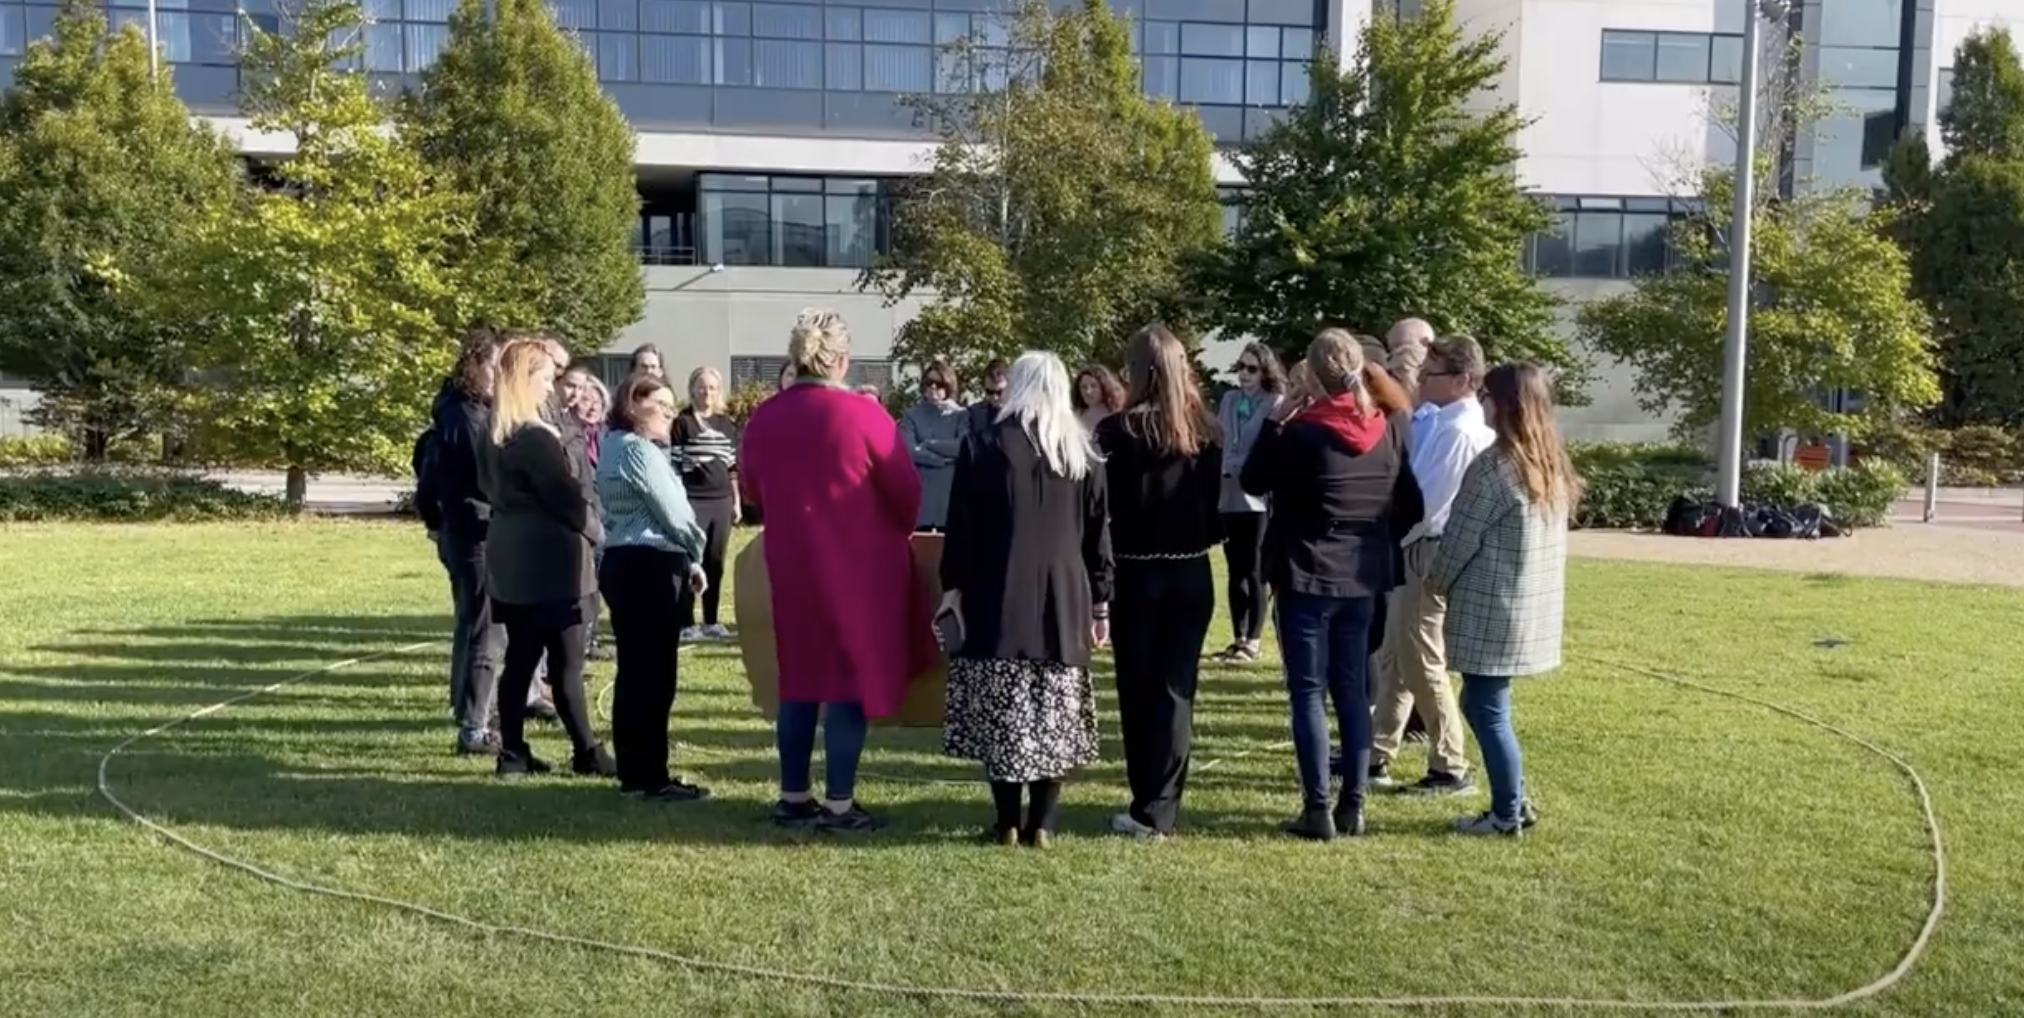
{"x": 1324, "y": 642}
{"x": 1486, "y": 703}
{"x": 843, "y": 732}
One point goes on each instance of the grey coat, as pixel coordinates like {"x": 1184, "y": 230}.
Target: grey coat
{"x": 1502, "y": 563}
{"x": 1238, "y": 440}
{"x": 934, "y": 434}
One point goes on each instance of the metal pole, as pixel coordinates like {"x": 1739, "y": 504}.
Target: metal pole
{"x": 1729, "y": 441}
{"x": 1932, "y": 486}
{"x": 154, "y": 45}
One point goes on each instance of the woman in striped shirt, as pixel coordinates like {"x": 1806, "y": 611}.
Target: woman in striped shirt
{"x": 706, "y": 452}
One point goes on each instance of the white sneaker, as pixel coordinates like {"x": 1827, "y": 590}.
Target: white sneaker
{"x": 1487, "y": 825}
{"x": 716, "y": 631}
{"x": 692, "y": 634}
{"x": 1127, "y": 825}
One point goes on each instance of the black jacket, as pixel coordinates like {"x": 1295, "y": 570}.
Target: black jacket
{"x": 543, "y": 528}
{"x": 450, "y": 494}
{"x": 1341, "y": 500}
{"x": 1161, "y": 504}
{"x": 1028, "y": 548}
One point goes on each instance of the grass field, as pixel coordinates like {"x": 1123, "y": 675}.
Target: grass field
{"x": 1693, "y": 847}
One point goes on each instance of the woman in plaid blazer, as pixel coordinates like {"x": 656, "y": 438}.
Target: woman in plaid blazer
{"x": 1503, "y": 565}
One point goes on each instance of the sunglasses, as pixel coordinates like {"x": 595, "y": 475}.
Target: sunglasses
{"x": 1247, "y": 369}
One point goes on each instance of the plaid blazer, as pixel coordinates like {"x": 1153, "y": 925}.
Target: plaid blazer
{"x": 1503, "y": 566}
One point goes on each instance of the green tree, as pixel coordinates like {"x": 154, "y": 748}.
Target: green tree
{"x": 512, "y": 113}
{"x": 1390, "y": 193}
{"x": 101, "y": 172}
{"x": 330, "y": 314}
{"x": 1063, "y": 206}
{"x": 1963, "y": 223}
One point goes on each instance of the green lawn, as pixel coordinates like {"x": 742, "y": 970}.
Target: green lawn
{"x": 1693, "y": 847}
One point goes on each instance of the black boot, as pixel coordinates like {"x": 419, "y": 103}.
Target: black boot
{"x": 1349, "y": 816}
{"x": 1314, "y": 825}
{"x": 595, "y": 762}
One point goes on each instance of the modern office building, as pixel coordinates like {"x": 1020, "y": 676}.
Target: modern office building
{"x": 771, "y": 134}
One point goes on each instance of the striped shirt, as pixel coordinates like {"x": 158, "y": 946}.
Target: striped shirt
{"x": 706, "y": 452}
{"x": 643, "y": 499}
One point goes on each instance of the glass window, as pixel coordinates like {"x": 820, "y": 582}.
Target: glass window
{"x": 1725, "y": 59}
{"x": 732, "y": 19}
{"x": 172, "y": 31}
{"x": 1208, "y": 10}
{"x": 736, "y": 230}
{"x": 1261, "y": 42}
{"x": 618, "y": 56}
{"x": 1296, "y": 43}
{"x": 1644, "y": 243}
{"x": 1261, "y": 83}
{"x": 778, "y": 63}
{"x": 1861, "y": 23}
{"x": 1859, "y": 68}
{"x": 1682, "y": 57}
{"x": 1629, "y": 56}
{"x": 897, "y": 26}
{"x": 1212, "y": 40}
{"x": 787, "y": 21}
{"x": 1848, "y": 147}
{"x": 1162, "y": 37}
{"x": 1598, "y": 236}
{"x": 13, "y": 32}
{"x": 841, "y": 23}
{"x": 425, "y": 44}
{"x": 898, "y": 68}
{"x": 374, "y": 10}
{"x": 574, "y": 15}
{"x": 952, "y": 72}
{"x": 994, "y": 29}
{"x": 384, "y": 48}
{"x": 734, "y": 62}
{"x": 1224, "y": 123}
{"x": 1293, "y": 84}
{"x": 675, "y": 60}
{"x": 843, "y": 67}
{"x": 798, "y": 229}
{"x": 850, "y": 225}
{"x": 951, "y": 28}
{"x": 1550, "y": 252}
{"x": 1163, "y": 77}
{"x": 214, "y": 39}
{"x": 688, "y": 16}
{"x": 1212, "y": 81}
{"x": 610, "y": 13}
{"x": 1282, "y": 12}
{"x": 1943, "y": 91}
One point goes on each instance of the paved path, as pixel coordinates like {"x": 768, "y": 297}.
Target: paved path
{"x": 1917, "y": 551}
{"x": 335, "y": 493}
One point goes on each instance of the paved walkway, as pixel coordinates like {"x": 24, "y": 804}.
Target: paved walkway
{"x": 335, "y": 493}
{"x": 1917, "y": 551}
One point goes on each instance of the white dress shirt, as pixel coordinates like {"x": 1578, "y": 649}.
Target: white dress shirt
{"x": 1445, "y": 441}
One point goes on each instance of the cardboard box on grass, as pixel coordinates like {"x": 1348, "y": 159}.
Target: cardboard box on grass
{"x": 753, "y": 601}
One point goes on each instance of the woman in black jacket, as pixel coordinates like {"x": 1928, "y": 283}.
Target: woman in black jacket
{"x": 1026, "y": 570}
{"x": 452, "y": 504}
{"x": 1341, "y": 483}
{"x": 540, "y": 564}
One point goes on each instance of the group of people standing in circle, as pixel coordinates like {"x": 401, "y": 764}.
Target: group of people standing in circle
{"x": 1398, "y": 510}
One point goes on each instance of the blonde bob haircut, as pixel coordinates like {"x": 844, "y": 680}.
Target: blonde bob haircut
{"x": 517, "y": 398}
{"x": 696, "y": 378}
{"x": 819, "y": 346}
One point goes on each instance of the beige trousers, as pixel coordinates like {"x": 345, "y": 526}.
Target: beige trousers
{"x": 1412, "y": 667}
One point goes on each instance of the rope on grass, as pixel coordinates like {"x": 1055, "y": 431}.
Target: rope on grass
{"x": 1874, "y": 988}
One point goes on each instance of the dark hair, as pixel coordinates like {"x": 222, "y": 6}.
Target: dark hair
{"x": 1521, "y": 412}
{"x": 637, "y": 388}
{"x": 1164, "y": 391}
{"x": 477, "y": 359}
{"x": 1271, "y": 371}
{"x": 997, "y": 371}
{"x": 642, "y": 350}
{"x": 940, "y": 373}
{"x": 1458, "y": 354}
{"x": 1107, "y": 383}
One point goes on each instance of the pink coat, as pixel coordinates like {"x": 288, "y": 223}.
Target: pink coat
{"x": 839, "y": 492}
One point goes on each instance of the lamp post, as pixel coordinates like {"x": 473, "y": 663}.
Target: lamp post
{"x": 154, "y": 46}
{"x": 1735, "y": 345}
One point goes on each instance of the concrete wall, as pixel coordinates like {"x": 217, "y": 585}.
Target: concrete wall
{"x": 699, "y": 316}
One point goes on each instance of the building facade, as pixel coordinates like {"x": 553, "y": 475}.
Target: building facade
{"x": 772, "y": 138}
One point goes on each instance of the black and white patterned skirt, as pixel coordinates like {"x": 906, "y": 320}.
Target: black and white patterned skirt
{"x": 1023, "y": 720}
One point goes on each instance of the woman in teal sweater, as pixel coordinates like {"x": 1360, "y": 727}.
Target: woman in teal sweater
{"x": 652, "y": 568}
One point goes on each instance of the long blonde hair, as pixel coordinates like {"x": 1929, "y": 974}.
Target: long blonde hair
{"x": 1521, "y": 411}
{"x": 516, "y": 397}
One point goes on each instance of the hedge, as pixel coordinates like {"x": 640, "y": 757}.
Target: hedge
{"x": 127, "y": 497}
{"x": 1632, "y": 486}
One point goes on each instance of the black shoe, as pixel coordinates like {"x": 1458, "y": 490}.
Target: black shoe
{"x": 1528, "y": 815}
{"x": 595, "y": 762}
{"x": 520, "y": 765}
{"x": 544, "y": 712}
{"x": 851, "y": 821}
{"x": 1314, "y": 824}
{"x": 675, "y": 791}
{"x": 795, "y": 814}
{"x": 1348, "y": 818}
{"x": 485, "y": 743}
{"x": 1443, "y": 783}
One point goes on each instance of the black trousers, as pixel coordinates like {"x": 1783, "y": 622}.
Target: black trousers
{"x": 1244, "y": 551}
{"x": 474, "y": 641}
{"x": 555, "y": 630}
{"x": 717, "y": 519}
{"x": 645, "y": 588}
{"x": 1159, "y": 616}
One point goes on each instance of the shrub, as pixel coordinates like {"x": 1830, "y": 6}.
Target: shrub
{"x": 34, "y": 451}
{"x": 1971, "y": 456}
{"x": 1630, "y": 486}
{"x": 120, "y": 497}
{"x": 1776, "y": 484}
{"x": 1861, "y": 496}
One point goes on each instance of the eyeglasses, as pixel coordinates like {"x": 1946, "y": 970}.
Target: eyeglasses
{"x": 1247, "y": 369}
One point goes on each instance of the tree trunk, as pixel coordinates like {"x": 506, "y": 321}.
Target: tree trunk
{"x": 96, "y": 442}
{"x": 298, "y": 488}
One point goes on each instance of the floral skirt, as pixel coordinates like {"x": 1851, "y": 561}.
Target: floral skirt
{"x": 1023, "y": 720}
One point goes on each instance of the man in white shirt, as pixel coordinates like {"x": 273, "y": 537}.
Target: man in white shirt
{"x": 1448, "y": 433}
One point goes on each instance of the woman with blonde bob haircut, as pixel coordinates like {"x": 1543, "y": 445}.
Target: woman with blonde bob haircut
{"x": 1503, "y": 566}
{"x": 705, "y": 446}
{"x": 540, "y": 562}
{"x": 1026, "y": 574}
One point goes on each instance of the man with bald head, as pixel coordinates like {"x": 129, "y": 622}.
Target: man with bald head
{"x": 1408, "y": 331}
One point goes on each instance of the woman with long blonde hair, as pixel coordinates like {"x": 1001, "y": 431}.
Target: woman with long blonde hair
{"x": 1502, "y": 565}
{"x": 1163, "y": 463}
{"x": 540, "y": 562}
{"x": 706, "y": 453}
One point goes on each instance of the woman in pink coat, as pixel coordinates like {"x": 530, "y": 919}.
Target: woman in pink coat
{"x": 840, "y": 495}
